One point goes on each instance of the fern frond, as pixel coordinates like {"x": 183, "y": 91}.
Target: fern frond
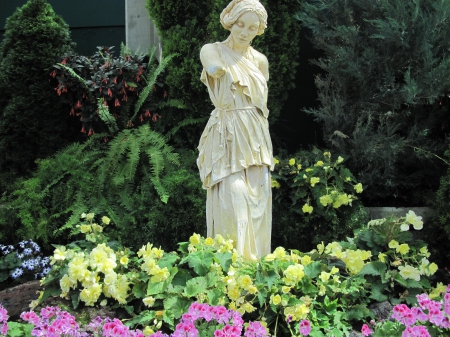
{"x": 151, "y": 80}
{"x": 103, "y": 112}
{"x": 186, "y": 122}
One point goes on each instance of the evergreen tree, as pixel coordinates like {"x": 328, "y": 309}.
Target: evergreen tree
{"x": 383, "y": 93}
{"x": 33, "y": 123}
{"x": 186, "y": 26}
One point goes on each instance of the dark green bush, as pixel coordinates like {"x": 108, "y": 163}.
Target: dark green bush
{"x": 307, "y": 211}
{"x": 32, "y": 123}
{"x": 383, "y": 91}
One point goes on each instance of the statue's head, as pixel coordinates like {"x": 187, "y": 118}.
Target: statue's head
{"x": 237, "y": 8}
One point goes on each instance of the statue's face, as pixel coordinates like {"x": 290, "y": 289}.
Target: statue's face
{"x": 245, "y": 29}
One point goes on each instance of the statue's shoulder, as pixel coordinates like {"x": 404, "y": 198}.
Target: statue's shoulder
{"x": 260, "y": 57}
{"x": 210, "y": 47}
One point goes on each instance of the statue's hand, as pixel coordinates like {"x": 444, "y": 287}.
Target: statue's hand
{"x": 216, "y": 71}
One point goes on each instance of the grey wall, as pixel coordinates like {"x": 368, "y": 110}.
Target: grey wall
{"x": 92, "y": 23}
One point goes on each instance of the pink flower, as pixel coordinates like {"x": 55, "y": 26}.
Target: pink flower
{"x": 365, "y": 330}
{"x": 305, "y": 327}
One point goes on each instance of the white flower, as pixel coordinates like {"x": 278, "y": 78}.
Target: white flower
{"x": 414, "y": 220}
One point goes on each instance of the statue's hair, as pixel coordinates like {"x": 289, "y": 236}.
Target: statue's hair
{"x": 238, "y": 7}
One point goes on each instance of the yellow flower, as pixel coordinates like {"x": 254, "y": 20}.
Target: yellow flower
{"x": 275, "y": 299}
{"x": 159, "y": 275}
{"x": 124, "y": 260}
{"x": 358, "y": 188}
{"x": 324, "y": 276}
{"x": 339, "y": 160}
{"x": 248, "y": 307}
{"x": 209, "y": 241}
{"x": 305, "y": 260}
{"x": 320, "y": 247}
{"x": 299, "y": 167}
{"x": 148, "y": 331}
{"x": 269, "y": 257}
{"x": 327, "y": 154}
{"x": 319, "y": 163}
{"x": 309, "y": 169}
{"x": 393, "y": 244}
{"x": 292, "y": 161}
{"x": 276, "y": 161}
{"x": 195, "y": 239}
{"x": 245, "y": 282}
{"x": 234, "y": 293}
{"x": 409, "y": 272}
{"x": 89, "y": 216}
{"x": 293, "y": 274}
{"x": 307, "y": 208}
{"x": 334, "y": 270}
{"x": 60, "y": 253}
{"x": 403, "y": 249}
{"x": 326, "y": 200}
{"x": 252, "y": 289}
{"x": 275, "y": 184}
{"x": 279, "y": 253}
{"x": 314, "y": 181}
{"x": 440, "y": 288}
{"x": 106, "y": 220}
{"x": 285, "y": 289}
{"x": 85, "y": 229}
{"x": 149, "y": 301}
{"x": 424, "y": 251}
{"x": 432, "y": 268}
{"x": 382, "y": 257}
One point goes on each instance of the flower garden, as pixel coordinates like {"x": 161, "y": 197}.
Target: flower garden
{"x": 112, "y": 218}
{"x": 206, "y": 289}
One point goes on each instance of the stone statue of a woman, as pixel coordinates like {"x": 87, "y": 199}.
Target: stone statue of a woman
{"x": 235, "y": 150}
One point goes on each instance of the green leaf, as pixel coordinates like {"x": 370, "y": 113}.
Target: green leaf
{"x": 139, "y": 290}
{"x": 177, "y": 306}
{"x": 75, "y": 299}
{"x": 200, "y": 262}
{"x": 214, "y": 296}
{"x": 129, "y": 309}
{"x": 377, "y": 292}
{"x": 181, "y": 278}
{"x": 313, "y": 269}
{"x": 168, "y": 260}
{"x": 224, "y": 260}
{"x": 267, "y": 277}
{"x": 195, "y": 286}
{"x": 155, "y": 288}
{"x": 375, "y": 268}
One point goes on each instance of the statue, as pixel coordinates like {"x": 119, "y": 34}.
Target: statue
{"x": 235, "y": 149}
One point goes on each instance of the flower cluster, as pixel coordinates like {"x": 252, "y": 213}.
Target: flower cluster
{"x": 420, "y": 320}
{"x": 320, "y": 186}
{"x": 226, "y": 323}
{"x": 95, "y": 270}
{"x": 3, "y": 320}
{"x": 23, "y": 261}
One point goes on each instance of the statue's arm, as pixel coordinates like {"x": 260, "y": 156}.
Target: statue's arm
{"x": 264, "y": 65}
{"x": 211, "y": 60}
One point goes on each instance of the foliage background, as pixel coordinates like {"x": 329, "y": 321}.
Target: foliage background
{"x": 32, "y": 124}
{"x": 383, "y": 94}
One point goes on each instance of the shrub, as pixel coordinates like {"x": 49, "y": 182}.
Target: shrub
{"x": 313, "y": 190}
{"x": 383, "y": 92}
{"x": 32, "y": 124}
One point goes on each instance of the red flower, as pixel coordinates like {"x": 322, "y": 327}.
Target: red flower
{"x": 147, "y": 113}
{"x": 53, "y": 74}
{"x": 141, "y": 118}
{"x": 72, "y": 112}
{"x": 91, "y": 132}
{"x": 117, "y": 103}
{"x": 100, "y": 89}
{"x": 63, "y": 61}
{"x": 115, "y": 80}
{"x": 105, "y": 103}
{"x": 155, "y": 117}
{"x": 109, "y": 92}
{"x": 125, "y": 98}
{"x": 83, "y": 130}
{"x": 78, "y": 105}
